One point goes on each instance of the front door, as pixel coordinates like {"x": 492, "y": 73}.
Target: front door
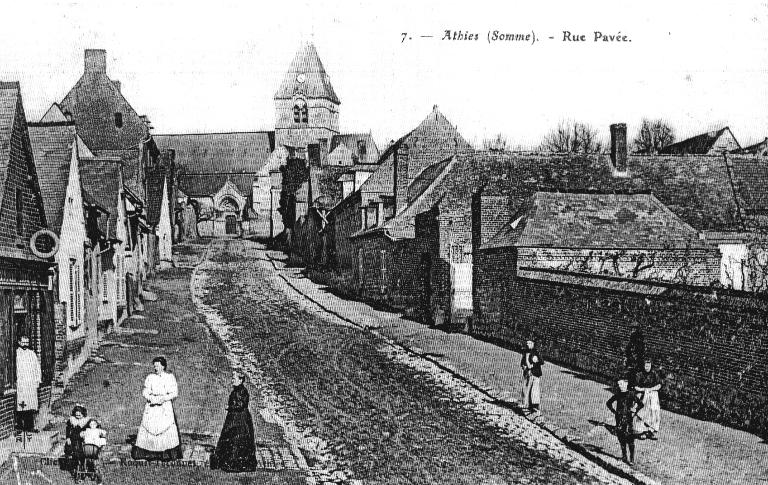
{"x": 230, "y": 225}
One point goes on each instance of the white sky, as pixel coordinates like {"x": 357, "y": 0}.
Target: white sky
{"x": 214, "y": 66}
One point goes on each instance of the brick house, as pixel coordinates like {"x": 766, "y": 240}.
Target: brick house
{"x": 26, "y": 300}
{"x": 362, "y": 252}
{"x": 73, "y": 216}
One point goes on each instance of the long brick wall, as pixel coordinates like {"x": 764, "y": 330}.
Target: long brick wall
{"x": 710, "y": 345}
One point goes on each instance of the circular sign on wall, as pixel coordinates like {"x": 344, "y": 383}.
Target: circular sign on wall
{"x": 44, "y": 243}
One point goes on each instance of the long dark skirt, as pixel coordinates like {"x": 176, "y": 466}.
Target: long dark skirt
{"x": 138, "y": 453}
{"x": 235, "y": 451}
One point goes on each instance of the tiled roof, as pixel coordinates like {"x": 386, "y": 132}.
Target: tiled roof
{"x": 52, "y": 149}
{"x": 352, "y": 141}
{"x": 101, "y": 179}
{"x": 93, "y": 102}
{"x": 697, "y": 145}
{"x": 9, "y": 102}
{"x": 315, "y": 82}
{"x": 431, "y": 190}
{"x": 219, "y": 153}
{"x": 610, "y": 221}
{"x": 382, "y": 181}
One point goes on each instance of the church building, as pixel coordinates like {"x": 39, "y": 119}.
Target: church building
{"x": 234, "y": 180}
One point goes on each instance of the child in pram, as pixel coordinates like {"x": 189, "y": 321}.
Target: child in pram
{"x": 94, "y": 438}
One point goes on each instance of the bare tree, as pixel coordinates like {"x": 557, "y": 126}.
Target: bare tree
{"x": 571, "y": 137}
{"x": 653, "y": 135}
{"x": 496, "y": 144}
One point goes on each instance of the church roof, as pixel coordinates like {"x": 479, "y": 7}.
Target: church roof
{"x": 219, "y": 153}
{"x": 314, "y": 81}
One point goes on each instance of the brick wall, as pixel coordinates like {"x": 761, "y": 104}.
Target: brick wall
{"x": 7, "y": 423}
{"x": 711, "y": 346}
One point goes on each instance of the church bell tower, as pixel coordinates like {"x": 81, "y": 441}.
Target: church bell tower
{"x": 307, "y": 108}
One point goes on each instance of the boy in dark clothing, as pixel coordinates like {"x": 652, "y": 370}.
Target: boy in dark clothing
{"x": 624, "y": 413}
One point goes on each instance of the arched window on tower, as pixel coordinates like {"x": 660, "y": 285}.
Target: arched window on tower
{"x": 300, "y": 112}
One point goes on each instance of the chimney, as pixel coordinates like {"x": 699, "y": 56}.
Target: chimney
{"x": 402, "y": 159}
{"x": 619, "y": 147}
{"x": 96, "y": 61}
{"x": 117, "y": 85}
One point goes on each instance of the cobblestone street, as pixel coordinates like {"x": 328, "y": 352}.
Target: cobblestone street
{"x": 359, "y": 408}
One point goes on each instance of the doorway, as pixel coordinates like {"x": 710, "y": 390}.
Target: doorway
{"x": 230, "y": 225}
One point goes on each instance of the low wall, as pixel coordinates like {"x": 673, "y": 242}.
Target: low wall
{"x": 711, "y": 346}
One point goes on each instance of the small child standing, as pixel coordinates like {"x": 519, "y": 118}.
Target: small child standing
{"x": 624, "y": 411}
{"x": 94, "y": 435}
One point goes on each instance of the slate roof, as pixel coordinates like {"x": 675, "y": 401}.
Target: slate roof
{"x": 9, "y": 101}
{"x": 101, "y": 179}
{"x": 52, "y": 149}
{"x": 11, "y": 112}
{"x": 588, "y": 221}
{"x": 203, "y": 185}
{"x": 759, "y": 148}
{"x": 219, "y": 153}
{"x": 750, "y": 181}
{"x": 155, "y": 183}
{"x": 131, "y": 168}
{"x": 316, "y": 84}
{"x": 697, "y": 145}
{"x": 351, "y": 141}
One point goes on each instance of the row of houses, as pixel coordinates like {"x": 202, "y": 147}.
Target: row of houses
{"x": 87, "y": 205}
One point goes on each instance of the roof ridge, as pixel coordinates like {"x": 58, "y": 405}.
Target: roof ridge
{"x": 155, "y": 135}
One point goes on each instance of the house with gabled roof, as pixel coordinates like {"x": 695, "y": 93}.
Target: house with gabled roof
{"x": 113, "y": 129}
{"x": 73, "y": 216}
{"x": 362, "y": 222}
{"x": 759, "y": 149}
{"x": 26, "y": 302}
{"x": 161, "y": 200}
{"x": 710, "y": 143}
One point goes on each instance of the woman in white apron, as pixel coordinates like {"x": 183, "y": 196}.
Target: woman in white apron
{"x": 158, "y": 437}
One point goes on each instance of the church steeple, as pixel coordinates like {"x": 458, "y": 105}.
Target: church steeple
{"x": 307, "y": 108}
{"x": 306, "y": 76}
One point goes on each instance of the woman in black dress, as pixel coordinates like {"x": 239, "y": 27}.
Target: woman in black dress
{"x": 236, "y": 451}
{"x": 73, "y": 446}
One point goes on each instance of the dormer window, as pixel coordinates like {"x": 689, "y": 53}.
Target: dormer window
{"x": 118, "y": 120}
{"x": 300, "y": 112}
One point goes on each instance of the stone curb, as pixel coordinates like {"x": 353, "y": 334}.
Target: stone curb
{"x": 622, "y": 471}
